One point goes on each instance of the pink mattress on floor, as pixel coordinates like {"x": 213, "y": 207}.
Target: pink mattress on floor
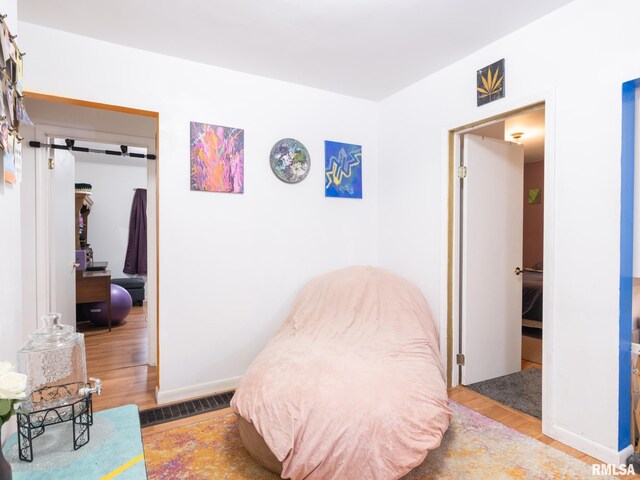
{"x": 351, "y": 386}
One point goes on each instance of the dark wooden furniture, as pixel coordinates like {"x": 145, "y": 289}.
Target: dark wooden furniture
{"x": 91, "y": 286}
{"x": 94, "y": 287}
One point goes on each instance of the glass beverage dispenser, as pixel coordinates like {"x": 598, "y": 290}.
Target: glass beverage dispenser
{"x": 57, "y": 390}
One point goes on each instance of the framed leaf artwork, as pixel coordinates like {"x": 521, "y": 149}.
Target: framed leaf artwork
{"x": 490, "y": 83}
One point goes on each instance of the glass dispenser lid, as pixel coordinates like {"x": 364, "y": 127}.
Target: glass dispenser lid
{"x": 52, "y": 332}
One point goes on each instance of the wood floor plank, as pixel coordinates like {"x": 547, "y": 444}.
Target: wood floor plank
{"x": 125, "y": 346}
{"x": 529, "y": 364}
{"x": 119, "y": 359}
{"x": 125, "y": 386}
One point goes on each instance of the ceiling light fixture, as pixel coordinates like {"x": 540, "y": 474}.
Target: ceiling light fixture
{"x": 517, "y": 136}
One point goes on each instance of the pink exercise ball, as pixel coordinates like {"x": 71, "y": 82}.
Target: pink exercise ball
{"x": 121, "y": 304}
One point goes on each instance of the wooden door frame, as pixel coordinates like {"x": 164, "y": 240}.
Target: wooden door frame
{"x": 452, "y": 242}
{"x": 98, "y": 136}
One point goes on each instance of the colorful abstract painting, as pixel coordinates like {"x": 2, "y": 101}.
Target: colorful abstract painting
{"x": 343, "y": 170}
{"x": 217, "y": 158}
{"x": 9, "y": 162}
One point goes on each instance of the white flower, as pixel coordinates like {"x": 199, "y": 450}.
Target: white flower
{"x": 6, "y": 367}
{"x": 13, "y": 385}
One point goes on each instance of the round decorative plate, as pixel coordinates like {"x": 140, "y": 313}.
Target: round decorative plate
{"x": 290, "y": 160}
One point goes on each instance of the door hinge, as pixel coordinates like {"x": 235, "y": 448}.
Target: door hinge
{"x": 52, "y": 164}
{"x": 460, "y": 359}
{"x": 462, "y": 172}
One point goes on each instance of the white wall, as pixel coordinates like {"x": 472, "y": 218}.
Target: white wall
{"x": 10, "y": 274}
{"x": 29, "y": 260}
{"x": 113, "y": 180}
{"x": 578, "y": 58}
{"x": 230, "y": 265}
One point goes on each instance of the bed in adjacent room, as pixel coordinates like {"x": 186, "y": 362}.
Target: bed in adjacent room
{"x": 532, "y": 294}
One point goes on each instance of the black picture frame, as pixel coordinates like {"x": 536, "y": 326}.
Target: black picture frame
{"x": 490, "y": 83}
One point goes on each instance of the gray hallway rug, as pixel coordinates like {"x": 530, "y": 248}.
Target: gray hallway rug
{"x": 521, "y": 390}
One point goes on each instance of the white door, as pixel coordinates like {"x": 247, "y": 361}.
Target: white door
{"x": 491, "y": 295}
{"x": 63, "y": 237}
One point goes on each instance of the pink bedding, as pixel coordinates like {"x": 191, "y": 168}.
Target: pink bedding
{"x": 351, "y": 386}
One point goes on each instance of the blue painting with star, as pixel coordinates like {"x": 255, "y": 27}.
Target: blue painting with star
{"x": 343, "y": 170}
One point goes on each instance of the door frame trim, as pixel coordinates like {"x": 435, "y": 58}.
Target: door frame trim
{"x": 85, "y": 103}
{"x": 451, "y": 241}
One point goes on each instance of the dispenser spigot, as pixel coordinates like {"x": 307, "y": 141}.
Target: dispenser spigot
{"x": 97, "y": 388}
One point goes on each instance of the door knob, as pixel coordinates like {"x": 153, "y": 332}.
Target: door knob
{"x": 518, "y": 270}
{"x": 75, "y": 265}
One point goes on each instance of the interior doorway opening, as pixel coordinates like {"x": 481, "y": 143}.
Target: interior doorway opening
{"x": 498, "y": 267}
{"x": 78, "y": 220}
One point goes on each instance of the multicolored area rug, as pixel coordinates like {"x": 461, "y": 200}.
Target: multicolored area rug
{"x": 114, "y": 450}
{"x": 475, "y": 447}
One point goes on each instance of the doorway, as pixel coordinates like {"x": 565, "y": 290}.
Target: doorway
{"x": 77, "y": 216}
{"x": 497, "y": 258}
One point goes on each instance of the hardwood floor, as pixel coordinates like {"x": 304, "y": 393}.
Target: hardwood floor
{"x": 527, "y": 364}
{"x": 119, "y": 359}
{"x": 125, "y": 386}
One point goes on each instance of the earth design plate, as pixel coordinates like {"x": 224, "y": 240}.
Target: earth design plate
{"x": 290, "y": 160}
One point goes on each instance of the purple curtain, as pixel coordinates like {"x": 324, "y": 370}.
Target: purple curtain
{"x": 136, "y": 260}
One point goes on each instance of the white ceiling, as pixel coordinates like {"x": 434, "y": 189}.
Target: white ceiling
{"x": 363, "y": 48}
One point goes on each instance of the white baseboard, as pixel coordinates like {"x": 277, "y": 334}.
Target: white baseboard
{"x": 624, "y": 454}
{"x": 202, "y": 389}
{"x": 593, "y": 449}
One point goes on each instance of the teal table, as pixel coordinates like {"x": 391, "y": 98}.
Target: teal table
{"x": 114, "y": 450}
